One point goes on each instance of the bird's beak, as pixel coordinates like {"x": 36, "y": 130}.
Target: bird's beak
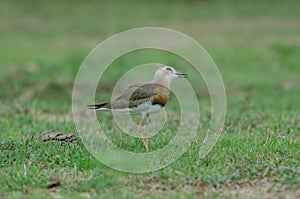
{"x": 181, "y": 75}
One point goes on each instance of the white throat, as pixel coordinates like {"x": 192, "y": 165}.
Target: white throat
{"x": 163, "y": 80}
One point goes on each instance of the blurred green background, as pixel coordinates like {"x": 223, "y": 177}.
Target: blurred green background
{"x": 255, "y": 44}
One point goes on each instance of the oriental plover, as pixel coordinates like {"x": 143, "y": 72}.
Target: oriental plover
{"x": 144, "y": 99}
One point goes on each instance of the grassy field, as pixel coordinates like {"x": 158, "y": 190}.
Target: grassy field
{"x": 256, "y": 46}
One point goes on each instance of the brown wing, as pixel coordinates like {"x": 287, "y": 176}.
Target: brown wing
{"x": 138, "y": 94}
{"x": 156, "y": 93}
{"x": 119, "y": 102}
{"x": 135, "y": 95}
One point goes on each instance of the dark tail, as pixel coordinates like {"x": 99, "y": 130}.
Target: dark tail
{"x": 97, "y": 106}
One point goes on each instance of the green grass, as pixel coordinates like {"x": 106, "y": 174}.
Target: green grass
{"x": 256, "y": 47}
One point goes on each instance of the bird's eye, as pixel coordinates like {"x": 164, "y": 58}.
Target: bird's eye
{"x": 169, "y": 69}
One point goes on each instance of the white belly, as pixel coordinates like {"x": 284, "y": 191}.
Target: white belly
{"x": 146, "y": 107}
{"x": 141, "y": 109}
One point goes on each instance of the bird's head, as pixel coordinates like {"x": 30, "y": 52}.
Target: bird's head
{"x": 166, "y": 74}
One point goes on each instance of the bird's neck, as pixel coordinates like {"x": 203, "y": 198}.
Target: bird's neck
{"x": 162, "y": 81}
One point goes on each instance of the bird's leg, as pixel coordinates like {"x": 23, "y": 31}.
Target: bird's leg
{"x": 146, "y": 131}
{"x": 144, "y": 141}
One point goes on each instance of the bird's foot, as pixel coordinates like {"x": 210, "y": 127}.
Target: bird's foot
{"x": 145, "y": 143}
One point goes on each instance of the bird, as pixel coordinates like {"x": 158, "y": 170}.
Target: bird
{"x": 144, "y": 98}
